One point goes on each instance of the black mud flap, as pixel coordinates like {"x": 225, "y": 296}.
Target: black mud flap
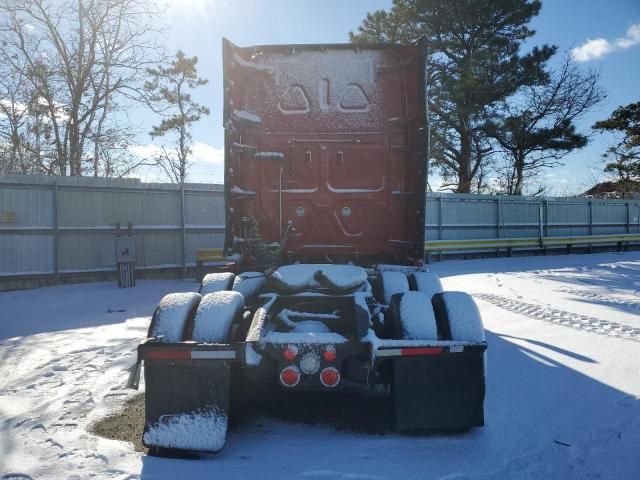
{"x": 439, "y": 391}
{"x": 186, "y": 404}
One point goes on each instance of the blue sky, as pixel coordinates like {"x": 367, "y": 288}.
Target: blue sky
{"x": 197, "y": 26}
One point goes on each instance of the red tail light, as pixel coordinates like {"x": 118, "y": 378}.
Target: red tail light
{"x": 290, "y": 353}
{"x": 330, "y": 377}
{"x": 290, "y": 376}
{"x": 330, "y": 354}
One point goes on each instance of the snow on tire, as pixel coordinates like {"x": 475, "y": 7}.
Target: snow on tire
{"x": 465, "y": 322}
{"x": 216, "y": 282}
{"x": 417, "y": 319}
{"x": 214, "y": 316}
{"x": 249, "y": 284}
{"x": 426, "y": 282}
{"x": 392, "y": 283}
{"x": 172, "y": 315}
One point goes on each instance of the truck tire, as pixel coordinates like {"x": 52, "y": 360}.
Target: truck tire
{"x": 411, "y": 317}
{"x": 172, "y": 315}
{"x": 426, "y": 282}
{"x": 216, "y": 313}
{"x": 216, "y": 282}
{"x": 249, "y": 284}
{"x": 391, "y": 283}
{"x": 458, "y": 317}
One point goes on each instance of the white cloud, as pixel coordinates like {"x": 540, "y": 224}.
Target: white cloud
{"x": 591, "y": 50}
{"x": 599, "y": 47}
{"x": 435, "y": 181}
{"x": 205, "y": 153}
{"x": 632, "y": 38}
{"x": 145, "y": 151}
{"x": 206, "y": 163}
{"x": 201, "y": 152}
{"x": 16, "y": 108}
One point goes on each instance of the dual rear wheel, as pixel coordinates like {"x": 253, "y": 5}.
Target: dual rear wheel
{"x": 419, "y": 309}
{"x": 209, "y": 315}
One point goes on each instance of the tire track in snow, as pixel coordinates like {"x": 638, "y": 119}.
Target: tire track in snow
{"x": 596, "y": 297}
{"x": 576, "y": 321}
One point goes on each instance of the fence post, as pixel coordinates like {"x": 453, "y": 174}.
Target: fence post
{"x": 541, "y": 224}
{"x": 498, "y": 217}
{"x": 498, "y": 222}
{"x": 440, "y": 218}
{"x": 628, "y": 217}
{"x": 54, "y": 214}
{"x": 546, "y": 218}
{"x": 183, "y": 233}
{"x": 590, "y": 224}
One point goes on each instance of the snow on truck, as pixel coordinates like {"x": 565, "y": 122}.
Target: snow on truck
{"x": 324, "y": 287}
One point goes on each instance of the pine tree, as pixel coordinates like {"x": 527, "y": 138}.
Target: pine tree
{"x": 168, "y": 95}
{"x": 474, "y": 64}
{"x": 624, "y": 155}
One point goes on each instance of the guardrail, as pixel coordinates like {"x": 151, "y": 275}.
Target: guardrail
{"x": 441, "y": 246}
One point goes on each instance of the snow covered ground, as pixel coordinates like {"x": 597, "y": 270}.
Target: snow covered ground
{"x": 562, "y": 399}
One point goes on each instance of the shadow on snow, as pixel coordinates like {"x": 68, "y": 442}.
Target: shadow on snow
{"x": 52, "y": 309}
{"x": 541, "y": 418}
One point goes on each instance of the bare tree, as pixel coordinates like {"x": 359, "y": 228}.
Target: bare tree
{"x": 26, "y": 140}
{"x": 13, "y": 117}
{"x": 538, "y": 129}
{"x": 83, "y": 59}
{"x": 114, "y": 153}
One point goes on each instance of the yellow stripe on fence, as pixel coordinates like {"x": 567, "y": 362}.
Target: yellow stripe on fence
{"x": 442, "y": 245}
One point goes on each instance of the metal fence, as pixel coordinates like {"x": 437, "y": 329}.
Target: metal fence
{"x": 60, "y": 226}
{"x": 461, "y": 216}
{"x": 64, "y": 226}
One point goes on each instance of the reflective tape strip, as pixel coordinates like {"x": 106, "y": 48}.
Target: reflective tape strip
{"x": 168, "y": 355}
{"x": 190, "y": 355}
{"x": 392, "y": 352}
{"x": 415, "y": 351}
{"x": 212, "y": 354}
{"x": 409, "y": 352}
{"x": 422, "y": 351}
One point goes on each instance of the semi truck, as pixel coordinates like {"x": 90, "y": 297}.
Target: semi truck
{"x": 324, "y": 285}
